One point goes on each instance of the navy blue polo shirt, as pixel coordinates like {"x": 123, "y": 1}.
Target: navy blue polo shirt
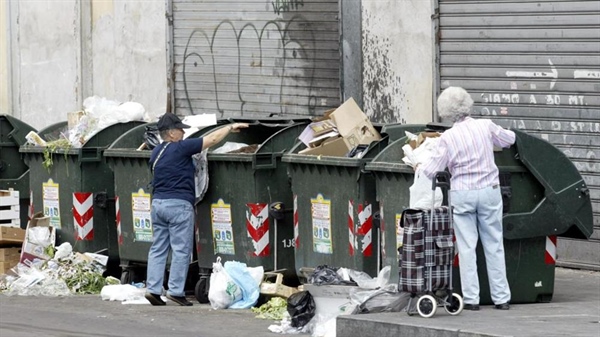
{"x": 174, "y": 171}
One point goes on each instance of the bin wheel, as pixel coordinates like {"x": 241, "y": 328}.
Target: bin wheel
{"x": 126, "y": 276}
{"x": 426, "y": 306}
{"x": 201, "y": 290}
{"x": 454, "y": 305}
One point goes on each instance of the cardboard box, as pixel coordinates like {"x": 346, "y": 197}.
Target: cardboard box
{"x": 353, "y": 125}
{"x": 277, "y": 288}
{"x": 421, "y": 138}
{"x": 36, "y": 247}
{"x": 11, "y": 236}
{"x": 10, "y": 254}
{"x": 335, "y": 147}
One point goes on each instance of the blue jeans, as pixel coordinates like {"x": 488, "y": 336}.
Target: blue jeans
{"x": 478, "y": 214}
{"x": 173, "y": 230}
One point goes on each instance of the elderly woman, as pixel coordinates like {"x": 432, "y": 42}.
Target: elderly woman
{"x": 467, "y": 151}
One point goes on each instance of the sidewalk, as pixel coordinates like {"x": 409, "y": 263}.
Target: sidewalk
{"x": 574, "y": 311}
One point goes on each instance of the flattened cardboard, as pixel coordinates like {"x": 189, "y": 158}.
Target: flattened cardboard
{"x": 335, "y": 147}
{"x": 421, "y": 138}
{"x": 31, "y": 250}
{"x": 353, "y": 125}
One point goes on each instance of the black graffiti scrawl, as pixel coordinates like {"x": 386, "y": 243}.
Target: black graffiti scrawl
{"x": 252, "y": 67}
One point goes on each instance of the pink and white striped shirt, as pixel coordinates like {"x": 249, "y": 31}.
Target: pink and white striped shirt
{"x": 467, "y": 149}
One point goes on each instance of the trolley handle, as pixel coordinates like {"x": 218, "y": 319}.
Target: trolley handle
{"x": 441, "y": 180}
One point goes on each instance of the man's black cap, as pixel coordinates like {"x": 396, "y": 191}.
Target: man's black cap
{"x": 170, "y": 121}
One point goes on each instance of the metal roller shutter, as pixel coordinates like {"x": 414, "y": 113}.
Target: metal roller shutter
{"x": 533, "y": 65}
{"x": 255, "y": 57}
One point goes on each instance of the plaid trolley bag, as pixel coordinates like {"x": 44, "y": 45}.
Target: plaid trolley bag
{"x": 426, "y": 256}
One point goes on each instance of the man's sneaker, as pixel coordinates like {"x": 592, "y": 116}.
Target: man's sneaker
{"x": 154, "y": 299}
{"x": 181, "y": 300}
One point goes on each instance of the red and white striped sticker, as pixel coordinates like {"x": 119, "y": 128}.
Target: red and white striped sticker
{"x": 118, "y": 220}
{"x": 365, "y": 217}
{"x": 83, "y": 215}
{"x": 257, "y": 224}
{"x": 550, "y": 256}
{"x": 296, "y": 229}
{"x": 351, "y": 237}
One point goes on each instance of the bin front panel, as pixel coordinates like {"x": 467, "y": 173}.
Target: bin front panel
{"x": 132, "y": 179}
{"x": 66, "y": 177}
{"x": 530, "y": 269}
{"x": 233, "y": 219}
{"x": 329, "y": 199}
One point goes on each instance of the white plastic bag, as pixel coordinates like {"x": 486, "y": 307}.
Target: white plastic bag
{"x": 240, "y": 274}
{"x": 223, "y": 290}
{"x": 122, "y": 292}
{"x": 229, "y": 146}
{"x": 421, "y": 192}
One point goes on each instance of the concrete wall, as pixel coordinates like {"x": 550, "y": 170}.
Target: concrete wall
{"x": 64, "y": 51}
{"x": 45, "y": 63}
{"x": 4, "y": 59}
{"x": 129, "y": 52}
{"x": 398, "y": 49}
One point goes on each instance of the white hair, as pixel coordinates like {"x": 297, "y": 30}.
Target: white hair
{"x": 454, "y": 103}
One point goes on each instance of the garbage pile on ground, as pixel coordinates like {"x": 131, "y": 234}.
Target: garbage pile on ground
{"x": 338, "y": 291}
{"x": 65, "y": 273}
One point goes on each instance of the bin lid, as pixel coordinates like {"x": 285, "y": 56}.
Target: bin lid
{"x": 12, "y": 136}
{"x": 566, "y": 208}
{"x": 13, "y": 130}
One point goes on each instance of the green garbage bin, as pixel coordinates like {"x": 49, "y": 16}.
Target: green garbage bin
{"x": 334, "y": 203}
{"x": 132, "y": 179}
{"x": 237, "y": 218}
{"x": 14, "y": 172}
{"x": 544, "y": 197}
{"x": 77, "y": 191}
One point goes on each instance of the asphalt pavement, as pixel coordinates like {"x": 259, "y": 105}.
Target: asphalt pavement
{"x": 574, "y": 311}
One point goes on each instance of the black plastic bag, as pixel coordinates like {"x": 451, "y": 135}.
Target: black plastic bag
{"x": 301, "y": 307}
{"x": 325, "y": 275}
{"x": 151, "y": 136}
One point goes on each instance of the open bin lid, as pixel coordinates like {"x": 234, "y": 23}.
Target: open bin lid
{"x": 12, "y": 136}
{"x": 565, "y": 208}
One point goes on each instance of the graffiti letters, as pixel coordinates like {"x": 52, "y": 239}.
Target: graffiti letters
{"x": 268, "y": 54}
{"x": 282, "y": 6}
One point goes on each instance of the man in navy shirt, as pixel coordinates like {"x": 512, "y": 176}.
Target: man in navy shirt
{"x": 172, "y": 205}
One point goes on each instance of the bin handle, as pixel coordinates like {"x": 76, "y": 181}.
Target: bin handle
{"x": 264, "y": 161}
{"x": 91, "y": 154}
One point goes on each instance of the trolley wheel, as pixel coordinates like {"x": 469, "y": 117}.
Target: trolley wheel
{"x": 126, "y": 276}
{"x": 426, "y": 306}
{"x": 454, "y": 305}
{"x": 201, "y": 290}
